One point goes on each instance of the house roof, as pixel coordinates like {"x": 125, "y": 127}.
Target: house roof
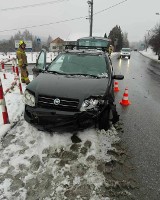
{"x": 58, "y": 40}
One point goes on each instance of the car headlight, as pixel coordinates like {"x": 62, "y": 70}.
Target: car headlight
{"x": 29, "y": 98}
{"x": 90, "y": 104}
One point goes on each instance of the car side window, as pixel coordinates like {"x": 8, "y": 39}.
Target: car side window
{"x": 40, "y": 62}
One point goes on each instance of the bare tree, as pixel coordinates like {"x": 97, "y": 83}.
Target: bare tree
{"x": 125, "y": 40}
{"x": 154, "y": 40}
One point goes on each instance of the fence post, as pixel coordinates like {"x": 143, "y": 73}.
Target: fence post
{"x": 3, "y": 105}
{"x": 3, "y": 70}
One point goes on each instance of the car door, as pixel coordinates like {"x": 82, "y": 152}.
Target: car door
{"x": 111, "y": 81}
{"x": 40, "y": 63}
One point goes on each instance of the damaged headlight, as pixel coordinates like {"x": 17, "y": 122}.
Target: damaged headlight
{"x": 29, "y": 98}
{"x": 89, "y": 104}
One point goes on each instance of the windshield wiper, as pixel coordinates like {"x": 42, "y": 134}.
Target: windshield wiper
{"x": 95, "y": 76}
{"x": 55, "y": 72}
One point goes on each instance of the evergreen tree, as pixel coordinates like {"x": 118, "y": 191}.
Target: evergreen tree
{"x": 105, "y": 35}
{"x": 116, "y": 37}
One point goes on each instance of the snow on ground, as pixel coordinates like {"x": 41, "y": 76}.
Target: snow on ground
{"x": 150, "y": 54}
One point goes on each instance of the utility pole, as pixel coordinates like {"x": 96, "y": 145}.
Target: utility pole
{"x": 90, "y": 3}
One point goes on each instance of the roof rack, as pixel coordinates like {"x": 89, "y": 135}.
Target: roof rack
{"x": 70, "y": 46}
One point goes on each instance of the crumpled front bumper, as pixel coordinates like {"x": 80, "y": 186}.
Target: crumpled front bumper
{"x": 59, "y": 119}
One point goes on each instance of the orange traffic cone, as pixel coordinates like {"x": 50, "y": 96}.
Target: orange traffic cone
{"x": 116, "y": 89}
{"x": 125, "y": 101}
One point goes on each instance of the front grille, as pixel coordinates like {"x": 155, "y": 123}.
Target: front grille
{"x": 66, "y": 104}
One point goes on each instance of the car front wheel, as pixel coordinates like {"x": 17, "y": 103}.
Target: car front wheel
{"x": 104, "y": 120}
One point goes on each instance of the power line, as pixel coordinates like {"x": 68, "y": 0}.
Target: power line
{"x": 34, "y": 26}
{"x": 62, "y": 21}
{"x": 110, "y": 7}
{"x": 32, "y": 5}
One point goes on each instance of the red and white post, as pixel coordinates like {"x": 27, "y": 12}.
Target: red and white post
{"x": 3, "y": 70}
{"x": 3, "y": 105}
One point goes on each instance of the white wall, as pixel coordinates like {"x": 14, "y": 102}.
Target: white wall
{"x": 31, "y": 56}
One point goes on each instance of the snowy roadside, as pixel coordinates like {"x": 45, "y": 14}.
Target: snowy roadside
{"x": 150, "y": 54}
{"x": 37, "y": 165}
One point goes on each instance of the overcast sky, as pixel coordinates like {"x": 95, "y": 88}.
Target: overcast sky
{"x": 133, "y": 16}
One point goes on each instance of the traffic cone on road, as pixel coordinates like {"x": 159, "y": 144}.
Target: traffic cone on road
{"x": 116, "y": 89}
{"x": 125, "y": 101}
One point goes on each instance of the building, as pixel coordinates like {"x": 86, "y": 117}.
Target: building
{"x": 57, "y": 45}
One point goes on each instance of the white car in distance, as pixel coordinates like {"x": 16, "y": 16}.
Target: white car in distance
{"x": 125, "y": 52}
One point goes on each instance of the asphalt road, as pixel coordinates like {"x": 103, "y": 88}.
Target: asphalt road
{"x": 141, "y": 120}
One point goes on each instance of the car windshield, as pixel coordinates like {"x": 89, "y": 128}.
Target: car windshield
{"x": 79, "y": 64}
{"x": 126, "y": 49}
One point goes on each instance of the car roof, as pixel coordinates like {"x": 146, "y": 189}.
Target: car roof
{"x": 95, "y": 37}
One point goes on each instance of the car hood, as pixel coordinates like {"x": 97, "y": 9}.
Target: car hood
{"x": 76, "y": 87}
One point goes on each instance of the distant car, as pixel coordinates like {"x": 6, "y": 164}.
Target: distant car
{"x": 75, "y": 89}
{"x": 125, "y": 52}
{"x": 135, "y": 49}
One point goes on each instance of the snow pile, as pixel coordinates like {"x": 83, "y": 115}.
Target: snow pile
{"x": 36, "y": 165}
{"x": 150, "y": 54}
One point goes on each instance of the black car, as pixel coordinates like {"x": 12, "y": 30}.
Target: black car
{"x": 74, "y": 90}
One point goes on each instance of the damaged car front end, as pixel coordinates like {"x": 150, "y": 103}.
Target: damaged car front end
{"x": 75, "y": 90}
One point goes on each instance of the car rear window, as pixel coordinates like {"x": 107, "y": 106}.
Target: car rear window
{"x": 126, "y": 49}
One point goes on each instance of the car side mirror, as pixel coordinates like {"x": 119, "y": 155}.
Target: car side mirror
{"x": 36, "y": 71}
{"x": 118, "y": 77}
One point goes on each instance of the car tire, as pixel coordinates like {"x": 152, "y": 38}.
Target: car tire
{"x": 104, "y": 120}
{"x": 129, "y": 57}
{"x": 158, "y": 57}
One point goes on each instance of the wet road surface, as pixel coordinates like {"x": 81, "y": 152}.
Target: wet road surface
{"x": 141, "y": 120}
